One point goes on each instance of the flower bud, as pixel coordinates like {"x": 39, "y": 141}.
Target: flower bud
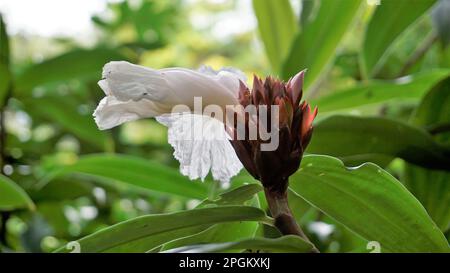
{"x": 294, "y": 128}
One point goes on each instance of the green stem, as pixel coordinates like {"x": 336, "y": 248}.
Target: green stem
{"x": 419, "y": 53}
{"x": 282, "y": 214}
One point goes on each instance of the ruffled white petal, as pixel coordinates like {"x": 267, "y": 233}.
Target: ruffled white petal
{"x": 127, "y": 85}
{"x": 111, "y": 112}
{"x": 201, "y": 144}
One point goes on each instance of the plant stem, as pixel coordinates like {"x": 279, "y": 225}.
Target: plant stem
{"x": 419, "y": 53}
{"x": 282, "y": 214}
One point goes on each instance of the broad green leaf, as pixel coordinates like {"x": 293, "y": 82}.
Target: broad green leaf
{"x": 277, "y": 27}
{"x": 62, "y": 189}
{"x": 432, "y": 187}
{"x": 4, "y": 42}
{"x": 370, "y": 202}
{"x": 151, "y": 225}
{"x": 155, "y": 242}
{"x": 235, "y": 196}
{"x": 244, "y": 195}
{"x": 5, "y": 82}
{"x": 133, "y": 171}
{"x": 355, "y": 139}
{"x": 377, "y": 91}
{"x": 285, "y": 244}
{"x": 76, "y": 64}
{"x": 12, "y": 196}
{"x": 216, "y": 234}
{"x": 434, "y": 111}
{"x": 64, "y": 112}
{"x": 315, "y": 47}
{"x": 206, "y": 233}
{"x": 5, "y": 75}
{"x": 390, "y": 19}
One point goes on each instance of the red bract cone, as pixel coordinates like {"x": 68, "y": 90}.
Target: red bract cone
{"x": 273, "y": 168}
{"x": 294, "y": 129}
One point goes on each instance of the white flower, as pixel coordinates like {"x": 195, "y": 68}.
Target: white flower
{"x": 134, "y": 92}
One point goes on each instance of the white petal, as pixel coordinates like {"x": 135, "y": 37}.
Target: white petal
{"x": 201, "y": 144}
{"x": 127, "y": 85}
{"x": 111, "y": 112}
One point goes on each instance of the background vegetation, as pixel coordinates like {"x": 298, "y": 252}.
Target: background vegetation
{"x": 380, "y": 75}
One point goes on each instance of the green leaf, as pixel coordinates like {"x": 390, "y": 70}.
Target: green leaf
{"x": 377, "y": 91}
{"x": 5, "y": 75}
{"x": 5, "y": 82}
{"x": 4, "y": 42}
{"x": 132, "y": 171}
{"x": 12, "y": 196}
{"x": 277, "y": 27}
{"x": 356, "y": 139}
{"x": 285, "y": 244}
{"x": 157, "y": 225}
{"x": 432, "y": 187}
{"x": 59, "y": 190}
{"x": 389, "y": 21}
{"x": 64, "y": 111}
{"x": 235, "y": 196}
{"x": 76, "y": 64}
{"x": 434, "y": 110}
{"x": 315, "y": 47}
{"x": 216, "y": 234}
{"x": 244, "y": 195}
{"x": 370, "y": 202}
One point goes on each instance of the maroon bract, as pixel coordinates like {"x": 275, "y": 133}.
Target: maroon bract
{"x": 273, "y": 168}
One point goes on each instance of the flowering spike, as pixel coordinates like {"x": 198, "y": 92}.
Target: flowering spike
{"x": 294, "y": 130}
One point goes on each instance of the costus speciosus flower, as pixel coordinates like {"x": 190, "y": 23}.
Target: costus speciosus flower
{"x": 134, "y": 92}
{"x": 203, "y": 139}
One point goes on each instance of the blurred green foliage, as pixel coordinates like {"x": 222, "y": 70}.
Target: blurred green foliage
{"x": 379, "y": 75}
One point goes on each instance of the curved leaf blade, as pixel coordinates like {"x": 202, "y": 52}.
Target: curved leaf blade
{"x": 12, "y": 196}
{"x": 315, "y": 47}
{"x": 133, "y": 171}
{"x": 5, "y": 74}
{"x": 205, "y": 233}
{"x": 390, "y": 19}
{"x": 277, "y": 27}
{"x": 285, "y": 244}
{"x": 432, "y": 187}
{"x": 64, "y": 112}
{"x": 244, "y": 195}
{"x": 150, "y": 225}
{"x": 76, "y": 64}
{"x": 356, "y": 139}
{"x": 377, "y": 91}
{"x": 370, "y": 202}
